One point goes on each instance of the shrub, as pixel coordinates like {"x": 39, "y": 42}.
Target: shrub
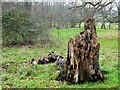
{"x": 18, "y": 29}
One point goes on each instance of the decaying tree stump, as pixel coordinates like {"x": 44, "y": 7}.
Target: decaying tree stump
{"x": 82, "y": 57}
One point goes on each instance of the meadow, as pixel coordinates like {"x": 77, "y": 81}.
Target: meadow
{"x": 43, "y": 76}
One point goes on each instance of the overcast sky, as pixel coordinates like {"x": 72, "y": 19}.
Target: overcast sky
{"x": 53, "y": 0}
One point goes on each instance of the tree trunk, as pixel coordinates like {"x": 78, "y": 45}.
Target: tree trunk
{"x": 80, "y": 24}
{"x": 118, "y": 25}
{"x": 109, "y": 25}
{"x": 103, "y": 26}
{"x": 119, "y": 18}
{"x": 118, "y": 7}
{"x": 82, "y": 57}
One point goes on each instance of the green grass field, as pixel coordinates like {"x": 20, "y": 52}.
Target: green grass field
{"x": 43, "y": 76}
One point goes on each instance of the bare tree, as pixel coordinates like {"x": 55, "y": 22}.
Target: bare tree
{"x": 113, "y": 14}
{"x": 89, "y": 9}
{"x": 103, "y": 15}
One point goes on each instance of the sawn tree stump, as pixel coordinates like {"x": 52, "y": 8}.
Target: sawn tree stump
{"x": 82, "y": 57}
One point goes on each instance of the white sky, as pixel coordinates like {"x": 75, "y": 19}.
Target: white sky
{"x": 54, "y": 0}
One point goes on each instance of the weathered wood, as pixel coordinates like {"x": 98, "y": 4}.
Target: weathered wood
{"x": 82, "y": 57}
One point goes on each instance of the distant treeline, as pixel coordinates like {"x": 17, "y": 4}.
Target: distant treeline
{"x": 26, "y": 23}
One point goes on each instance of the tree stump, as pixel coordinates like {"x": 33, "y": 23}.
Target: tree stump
{"x": 82, "y": 57}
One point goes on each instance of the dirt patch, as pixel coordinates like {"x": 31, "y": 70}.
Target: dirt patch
{"x": 109, "y": 36}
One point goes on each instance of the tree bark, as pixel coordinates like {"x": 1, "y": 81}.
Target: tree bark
{"x": 82, "y": 57}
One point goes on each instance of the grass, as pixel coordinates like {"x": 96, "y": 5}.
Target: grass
{"x": 43, "y": 76}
